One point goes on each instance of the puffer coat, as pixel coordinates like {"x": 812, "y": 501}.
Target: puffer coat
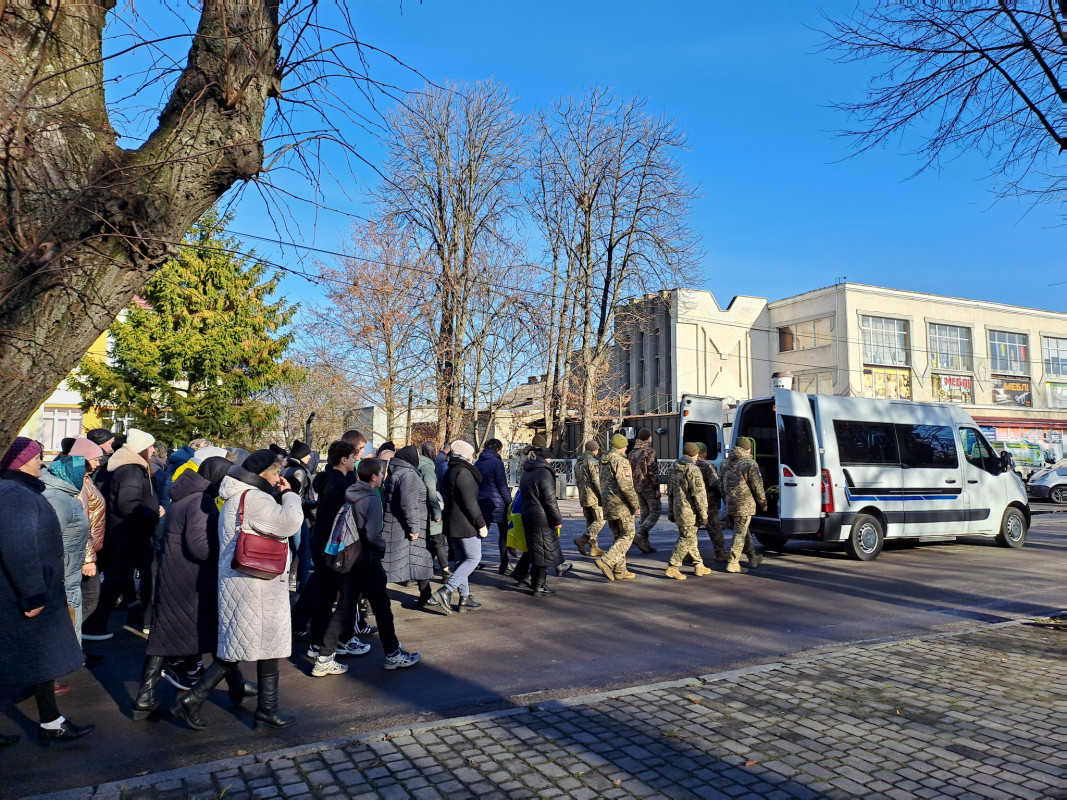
{"x": 404, "y": 507}
{"x": 494, "y": 495}
{"x": 463, "y": 514}
{"x": 254, "y": 617}
{"x": 31, "y": 576}
{"x": 540, "y": 513}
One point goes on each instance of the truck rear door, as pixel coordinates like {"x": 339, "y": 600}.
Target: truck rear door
{"x": 799, "y": 481}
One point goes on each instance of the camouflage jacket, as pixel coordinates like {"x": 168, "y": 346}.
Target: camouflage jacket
{"x": 644, "y": 467}
{"x": 711, "y": 483}
{"x": 587, "y": 476}
{"x": 687, "y": 498}
{"x": 741, "y": 484}
{"x": 617, "y": 487}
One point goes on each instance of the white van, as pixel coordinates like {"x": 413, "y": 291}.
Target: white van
{"x": 861, "y": 471}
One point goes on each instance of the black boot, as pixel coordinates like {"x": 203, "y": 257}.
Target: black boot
{"x": 238, "y": 688}
{"x": 188, "y": 708}
{"x": 467, "y": 604}
{"x": 145, "y": 703}
{"x": 267, "y": 709}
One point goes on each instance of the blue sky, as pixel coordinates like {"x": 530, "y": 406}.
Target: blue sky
{"x": 781, "y": 211}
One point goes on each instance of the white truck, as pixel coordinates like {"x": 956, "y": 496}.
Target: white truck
{"x": 860, "y": 471}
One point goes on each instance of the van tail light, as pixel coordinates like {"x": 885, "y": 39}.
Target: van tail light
{"x": 786, "y": 472}
{"x": 827, "y": 493}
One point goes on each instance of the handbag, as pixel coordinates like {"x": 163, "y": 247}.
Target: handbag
{"x": 255, "y": 554}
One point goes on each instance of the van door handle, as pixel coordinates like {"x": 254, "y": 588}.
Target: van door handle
{"x": 970, "y": 481}
{"x": 790, "y": 484}
{"x": 951, "y": 481}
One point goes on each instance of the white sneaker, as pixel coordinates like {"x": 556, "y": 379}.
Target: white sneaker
{"x": 401, "y": 659}
{"x": 353, "y": 647}
{"x": 313, "y": 651}
{"x": 328, "y": 665}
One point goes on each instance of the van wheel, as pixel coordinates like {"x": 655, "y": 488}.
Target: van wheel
{"x": 1012, "y": 529}
{"x": 770, "y": 541}
{"x": 866, "y": 538}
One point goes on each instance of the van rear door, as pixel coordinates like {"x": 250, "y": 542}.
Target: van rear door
{"x": 700, "y": 420}
{"x": 799, "y": 481}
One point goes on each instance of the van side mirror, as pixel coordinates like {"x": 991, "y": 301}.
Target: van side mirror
{"x": 1005, "y": 462}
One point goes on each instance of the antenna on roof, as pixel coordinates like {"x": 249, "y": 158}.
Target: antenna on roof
{"x": 840, "y": 279}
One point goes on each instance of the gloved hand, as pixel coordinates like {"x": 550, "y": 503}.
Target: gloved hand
{"x": 483, "y": 531}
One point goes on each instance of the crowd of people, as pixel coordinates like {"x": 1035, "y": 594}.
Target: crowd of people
{"x": 207, "y": 548}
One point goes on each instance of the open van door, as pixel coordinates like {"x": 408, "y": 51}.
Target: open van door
{"x": 700, "y": 420}
{"x": 799, "y": 478}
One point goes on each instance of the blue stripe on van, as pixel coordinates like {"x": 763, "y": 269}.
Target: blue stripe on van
{"x": 939, "y": 495}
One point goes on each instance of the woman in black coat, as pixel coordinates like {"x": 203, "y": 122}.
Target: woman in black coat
{"x": 464, "y": 524}
{"x": 540, "y": 519}
{"x": 38, "y": 639}
{"x": 186, "y": 620}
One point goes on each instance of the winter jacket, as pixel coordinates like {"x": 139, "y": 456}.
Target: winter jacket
{"x": 711, "y": 484}
{"x": 96, "y": 508}
{"x": 460, "y": 488}
{"x": 295, "y": 468}
{"x": 186, "y": 619}
{"x": 367, "y": 513}
{"x": 687, "y": 498}
{"x": 404, "y": 505}
{"x": 494, "y": 495}
{"x": 254, "y": 618}
{"x": 617, "y": 487}
{"x": 440, "y": 464}
{"x": 166, "y": 481}
{"x": 643, "y": 465}
{"x": 741, "y": 484}
{"x": 434, "y": 502}
{"x": 540, "y": 513}
{"x": 132, "y": 508}
{"x": 65, "y": 500}
{"x": 330, "y": 487}
{"x": 587, "y": 476}
{"x": 44, "y": 647}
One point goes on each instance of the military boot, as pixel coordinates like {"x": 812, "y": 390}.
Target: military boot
{"x": 643, "y": 544}
{"x": 733, "y": 565}
{"x": 623, "y": 574}
{"x": 594, "y": 550}
{"x": 700, "y": 570}
{"x": 720, "y": 555}
{"x": 582, "y": 543}
{"x": 672, "y": 572}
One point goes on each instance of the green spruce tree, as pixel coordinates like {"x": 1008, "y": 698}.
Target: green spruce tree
{"x": 190, "y": 356}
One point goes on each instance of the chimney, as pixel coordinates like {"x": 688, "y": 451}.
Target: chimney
{"x": 534, "y": 379}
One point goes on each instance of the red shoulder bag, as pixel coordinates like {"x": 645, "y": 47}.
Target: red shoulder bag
{"x": 256, "y": 554}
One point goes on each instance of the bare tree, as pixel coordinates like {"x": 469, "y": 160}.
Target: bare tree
{"x": 454, "y": 161}
{"x": 613, "y": 204}
{"x": 85, "y": 220}
{"x": 977, "y": 75}
{"x": 317, "y": 388}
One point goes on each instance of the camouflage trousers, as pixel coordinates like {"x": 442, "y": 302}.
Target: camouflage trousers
{"x": 687, "y": 545}
{"x": 622, "y": 531}
{"x": 651, "y": 508}
{"x": 742, "y": 542}
{"x": 594, "y": 521}
{"x": 714, "y": 529}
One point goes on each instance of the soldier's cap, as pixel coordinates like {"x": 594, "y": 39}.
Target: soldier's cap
{"x": 691, "y": 449}
{"x": 703, "y": 448}
{"x": 591, "y": 446}
{"x": 618, "y": 440}
{"x": 746, "y": 443}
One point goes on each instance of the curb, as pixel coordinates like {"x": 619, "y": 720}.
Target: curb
{"x": 113, "y": 790}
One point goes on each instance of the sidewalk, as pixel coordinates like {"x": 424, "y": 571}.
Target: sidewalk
{"x": 975, "y": 714}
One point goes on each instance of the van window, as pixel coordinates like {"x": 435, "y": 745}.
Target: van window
{"x": 977, "y": 451}
{"x": 797, "y": 445}
{"x": 866, "y": 442}
{"x": 927, "y": 446}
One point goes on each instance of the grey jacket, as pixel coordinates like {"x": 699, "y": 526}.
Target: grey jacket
{"x": 433, "y": 495}
{"x": 74, "y": 523}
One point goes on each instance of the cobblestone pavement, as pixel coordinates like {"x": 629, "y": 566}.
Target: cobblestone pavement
{"x": 977, "y": 714}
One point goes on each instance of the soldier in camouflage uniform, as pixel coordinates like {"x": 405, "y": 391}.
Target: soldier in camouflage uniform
{"x": 646, "y": 484}
{"x": 687, "y": 507}
{"x": 711, "y": 483}
{"x": 742, "y": 489}
{"x": 620, "y": 506}
{"x": 587, "y": 476}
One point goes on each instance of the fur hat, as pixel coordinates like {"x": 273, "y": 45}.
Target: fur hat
{"x": 463, "y": 449}
{"x": 86, "y": 449}
{"x": 138, "y": 441}
{"x": 619, "y": 441}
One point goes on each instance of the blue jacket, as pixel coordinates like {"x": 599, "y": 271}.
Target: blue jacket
{"x": 174, "y": 460}
{"x": 493, "y": 494}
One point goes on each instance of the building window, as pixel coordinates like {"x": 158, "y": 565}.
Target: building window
{"x": 655, "y": 372}
{"x": 58, "y": 424}
{"x": 804, "y": 335}
{"x": 815, "y": 382}
{"x": 1056, "y": 394}
{"x": 952, "y": 388}
{"x": 1055, "y": 351}
{"x": 1009, "y": 352}
{"x": 1012, "y": 391}
{"x": 950, "y": 347}
{"x": 885, "y": 341}
{"x": 887, "y": 383}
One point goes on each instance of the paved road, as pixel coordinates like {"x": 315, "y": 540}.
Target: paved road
{"x": 593, "y": 636}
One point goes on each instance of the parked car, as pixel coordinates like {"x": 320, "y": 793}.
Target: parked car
{"x": 1049, "y": 484}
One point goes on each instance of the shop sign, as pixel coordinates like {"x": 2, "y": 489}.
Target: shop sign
{"x": 953, "y": 388}
{"x": 1012, "y": 392}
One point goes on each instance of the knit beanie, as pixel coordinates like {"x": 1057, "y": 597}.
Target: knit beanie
{"x": 138, "y": 441}
{"x": 691, "y": 449}
{"x": 463, "y": 449}
{"x": 86, "y": 449}
{"x": 703, "y": 448}
{"x": 618, "y": 440}
{"x": 299, "y": 450}
{"x": 260, "y": 460}
{"x": 99, "y": 435}
{"x": 22, "y": 451}
{"x": 539, "y": 441}
{"x": 745, "y": 443}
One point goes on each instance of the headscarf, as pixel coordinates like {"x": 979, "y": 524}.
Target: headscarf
{"x": 70, "y": 469}
{"x": 22, "y": 451}
{"x": 429, "y": 449}
{"x": 410, "y": 454}
{"x": 213, "y": 470}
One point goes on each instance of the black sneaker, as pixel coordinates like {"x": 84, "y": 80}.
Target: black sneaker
{"x": 174, "y": 673}
{"x": 364, "y": 629}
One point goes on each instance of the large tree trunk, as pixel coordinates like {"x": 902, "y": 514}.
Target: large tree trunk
{"x": 83, "y": 222}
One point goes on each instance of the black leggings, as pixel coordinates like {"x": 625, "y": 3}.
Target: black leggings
{"x": 45, "y": 695}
